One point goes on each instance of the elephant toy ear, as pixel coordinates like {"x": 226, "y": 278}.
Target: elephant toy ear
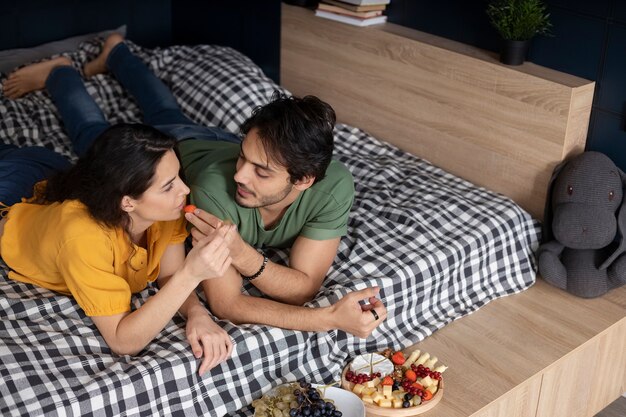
{"x": 621, "y": 227}
{"x": 546, "y": 226}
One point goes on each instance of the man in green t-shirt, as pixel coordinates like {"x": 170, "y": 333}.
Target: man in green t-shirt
{"x": 282, "y": 189}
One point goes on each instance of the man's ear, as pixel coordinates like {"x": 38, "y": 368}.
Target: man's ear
{"x": 127, "y": 204}
{"x": 304, "y": 183}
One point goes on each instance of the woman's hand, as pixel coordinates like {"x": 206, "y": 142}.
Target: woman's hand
{"x": 209, "y": 258}
{"x": 208, "y": 340}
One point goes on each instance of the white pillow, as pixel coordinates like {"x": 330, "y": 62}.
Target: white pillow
{"x": 13, "y": 58}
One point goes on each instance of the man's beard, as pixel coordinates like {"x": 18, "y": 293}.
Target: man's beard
{"x": 266, "y": 200}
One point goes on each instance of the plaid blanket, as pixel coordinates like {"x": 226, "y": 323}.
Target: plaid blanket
{"x": 438, "y": 246}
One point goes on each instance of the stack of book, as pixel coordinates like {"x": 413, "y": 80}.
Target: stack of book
{"x": 353, "y": 12}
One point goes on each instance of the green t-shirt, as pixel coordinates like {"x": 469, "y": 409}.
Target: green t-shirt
{"x": 320, "y": 212}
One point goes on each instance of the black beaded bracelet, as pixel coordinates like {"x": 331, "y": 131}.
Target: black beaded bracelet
{"x": 259, "y": 272}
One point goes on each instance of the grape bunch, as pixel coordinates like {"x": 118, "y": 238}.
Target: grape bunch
{"x": 299, "y": 399}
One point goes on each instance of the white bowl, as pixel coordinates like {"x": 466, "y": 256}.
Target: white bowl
{"x": 345, "y": 401}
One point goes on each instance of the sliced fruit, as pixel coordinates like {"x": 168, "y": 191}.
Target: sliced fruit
{"x": 398, "y": 358}
{"x": 410, "y": 375}
{"x": 417, "y": 385}
{"x": 189, "y": 208}
{"x": 387, "y": 380}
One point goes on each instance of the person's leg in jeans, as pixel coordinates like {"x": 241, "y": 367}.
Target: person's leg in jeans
{"x": 154, "y": 98}
{"x": 83, "y": 119}
{"x": 22, "y": 168}
{"x": 81, "y": 115}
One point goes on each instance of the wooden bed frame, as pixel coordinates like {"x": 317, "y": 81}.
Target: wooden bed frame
{"x": 539, "y": 353}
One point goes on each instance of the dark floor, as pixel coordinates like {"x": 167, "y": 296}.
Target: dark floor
{"x": 616, "y": 409}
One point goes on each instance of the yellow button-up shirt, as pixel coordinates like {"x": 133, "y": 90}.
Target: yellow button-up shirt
{"x": 61, "y": 247}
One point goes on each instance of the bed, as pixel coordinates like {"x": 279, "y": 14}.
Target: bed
{"x": 440, "y": 247}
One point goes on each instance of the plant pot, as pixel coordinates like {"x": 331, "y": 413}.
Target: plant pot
{"x": 514, "y": 52}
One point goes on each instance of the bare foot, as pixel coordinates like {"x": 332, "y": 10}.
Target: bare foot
{"x": 31, "y": 77}
{"x": 98, "y": 65}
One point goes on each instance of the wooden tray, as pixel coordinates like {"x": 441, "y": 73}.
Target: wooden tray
{"x": 372, "y": 410}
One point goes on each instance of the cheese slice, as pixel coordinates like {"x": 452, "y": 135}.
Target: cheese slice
{"x": 373, "y": 383}
{"x": 358, "y": 389}
{"x": 372, "y": 362}
{"x": 367, "y": 399}
{"x": 384, "y": 403}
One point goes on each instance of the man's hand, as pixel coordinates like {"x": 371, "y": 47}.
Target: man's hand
{"x": 205, "y": 223}
{"x": 359, "y": 319}
{"x": 207, "y": 340}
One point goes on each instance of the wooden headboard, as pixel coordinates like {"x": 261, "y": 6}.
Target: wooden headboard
{"x": 500, "y": 127}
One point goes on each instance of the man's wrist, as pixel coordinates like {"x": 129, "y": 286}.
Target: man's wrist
{"x": 259, "y": 271}
{"x": 326, "y": 318}
{"x": 247, "y": 260}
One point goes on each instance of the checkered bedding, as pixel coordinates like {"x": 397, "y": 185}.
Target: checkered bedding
{"x": 438, "y": 246}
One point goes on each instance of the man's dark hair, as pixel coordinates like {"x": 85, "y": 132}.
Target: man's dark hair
{"x": 297, "y": 133}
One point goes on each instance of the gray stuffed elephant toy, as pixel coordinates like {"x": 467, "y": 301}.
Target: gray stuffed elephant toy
{"x": 583, "y": 249}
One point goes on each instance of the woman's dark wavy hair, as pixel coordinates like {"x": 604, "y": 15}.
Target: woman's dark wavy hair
{"x": 121, "y": 161}
{"x": 297, "y": 133}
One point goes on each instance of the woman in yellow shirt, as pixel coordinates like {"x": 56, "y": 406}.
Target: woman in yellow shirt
{"x": 103, "y": 229}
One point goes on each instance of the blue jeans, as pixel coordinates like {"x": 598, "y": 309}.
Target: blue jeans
{"x": 84, "y": 121}
{"x": 21, "y": 168}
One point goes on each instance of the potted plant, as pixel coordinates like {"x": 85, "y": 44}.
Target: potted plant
{"x": 518, "y": 21}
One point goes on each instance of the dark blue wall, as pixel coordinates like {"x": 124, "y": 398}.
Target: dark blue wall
{"x": 26, "y": 23}
{"x": 252, "y": 27}
{"x": 589, "y": 41}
